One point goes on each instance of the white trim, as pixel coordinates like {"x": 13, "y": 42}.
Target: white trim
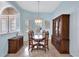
{"x": 8, "y": 33}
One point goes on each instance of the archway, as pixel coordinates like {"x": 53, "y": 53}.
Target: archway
{"x": 9, "y": 11}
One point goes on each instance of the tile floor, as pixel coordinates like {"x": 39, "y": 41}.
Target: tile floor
{"x": 52, "y": 52}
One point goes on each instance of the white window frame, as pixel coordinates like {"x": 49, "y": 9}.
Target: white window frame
{"x": 8, "y": 24}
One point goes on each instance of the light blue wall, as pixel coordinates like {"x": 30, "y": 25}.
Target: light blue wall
{"x": 26, "y": 15}
{"x": 43, "y": 16}
{"x": 32, "y": 16}
{"x": 4, "y": 40}
{"x": 4, "y": 43}
{"x": 72, "y": 9}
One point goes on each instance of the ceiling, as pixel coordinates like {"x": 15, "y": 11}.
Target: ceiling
{"x": 44, "y": 6}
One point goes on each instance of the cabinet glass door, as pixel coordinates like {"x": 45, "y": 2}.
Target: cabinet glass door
{"x": 56, "y": 29}
{"x": 60, "y": 25}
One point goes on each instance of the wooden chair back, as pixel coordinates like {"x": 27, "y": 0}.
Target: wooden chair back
{"x": 30, "y": 35}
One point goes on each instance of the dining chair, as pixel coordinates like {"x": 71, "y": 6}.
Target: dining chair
{"x": 46, "y": 40}
{"x": 30, "y": 35}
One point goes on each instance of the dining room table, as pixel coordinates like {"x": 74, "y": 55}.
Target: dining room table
{"x": 38, "y": 38}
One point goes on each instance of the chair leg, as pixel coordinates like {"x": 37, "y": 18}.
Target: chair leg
{"x": 32, "y": 48}
{"x": 47, "y": 47}
{"x": 44, "y": 48}
{"x": 29, "y": 47}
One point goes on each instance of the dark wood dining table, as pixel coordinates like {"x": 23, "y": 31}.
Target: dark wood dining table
{"x": 38, "y": 39}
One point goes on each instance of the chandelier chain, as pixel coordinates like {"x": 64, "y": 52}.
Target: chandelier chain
{"x": 38, "y": 8}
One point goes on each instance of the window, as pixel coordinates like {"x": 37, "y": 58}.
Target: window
{"x": 3, "y": 24}
{"x": 0, "y": 25}
{"x": 7, "y": 23}
{"x": 12, "y": 23}
{"x": 8, "y": 20}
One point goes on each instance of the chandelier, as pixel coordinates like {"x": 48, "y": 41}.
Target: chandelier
{"x": 38, "y": 20}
